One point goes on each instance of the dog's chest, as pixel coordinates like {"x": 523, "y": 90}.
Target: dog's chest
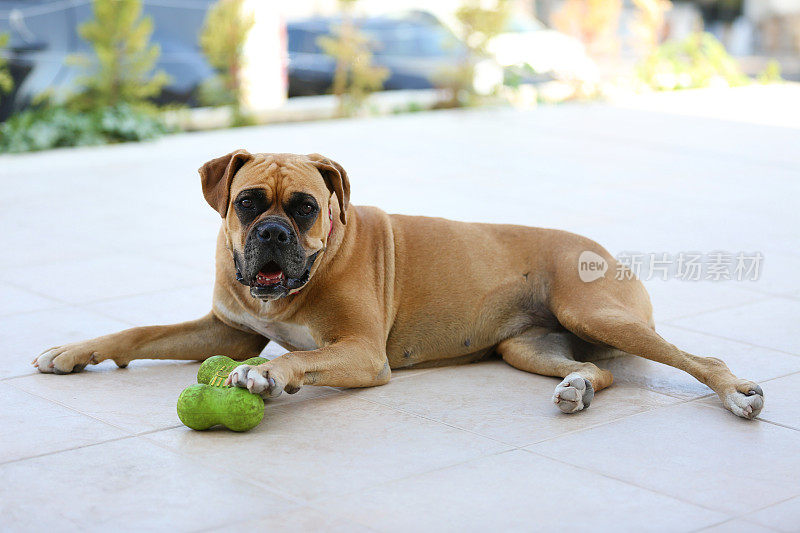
{"x": 284, "y": 333}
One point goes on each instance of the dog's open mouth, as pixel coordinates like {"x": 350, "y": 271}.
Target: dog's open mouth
{"x": 270, "y": 275}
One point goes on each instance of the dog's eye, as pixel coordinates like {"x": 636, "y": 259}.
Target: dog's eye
{"x": 306, "y": 209}
{"x": 247, "y": 203}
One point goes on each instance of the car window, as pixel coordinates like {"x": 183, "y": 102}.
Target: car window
{"x": 303, "y": 41}
{"x": 413, "y": 40}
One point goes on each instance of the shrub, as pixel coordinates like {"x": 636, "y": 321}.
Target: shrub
{"x": 52, "y": 126}
{"x": 771, "y": 73}
{"x": 222, "y": 39}
{"x": 122, "y": 70}
{"x": 6, "y": 81}
{"x": 355, "y": 77}
{"x": 700, "y": 60}
{"x": 477, "y": 26}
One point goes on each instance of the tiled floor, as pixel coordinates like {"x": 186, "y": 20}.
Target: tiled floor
{"x": 96, "y": 240}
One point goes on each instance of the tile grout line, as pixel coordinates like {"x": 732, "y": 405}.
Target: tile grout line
{"x": 320, "y": 499}
{"x": 729, "y": 339}
{"x": 516, "y": 446}
{"x": 626, "y": 482}
{"x": 299, "y": 501}
{"x": 417, "y": 415}
{"x": 56, "y": 402}
{"x": 73, "y": 448}
{"x": 757, "y": 299}
{"x": 600, "y": 424}
{"x": 745, "y": 515}
{"x": 757, "y": 419}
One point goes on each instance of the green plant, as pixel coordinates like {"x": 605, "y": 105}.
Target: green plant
{"x": 771, "y": 73}
{"x": 6, "y": 81}
{"x": 122, "y": 68}
{"x": 52, "y": 126}
{"x": 222, "y": 39}
{"x": 700, "y": 60}
{"x": 355, "y": 77}
{"x": 476, "y": 26}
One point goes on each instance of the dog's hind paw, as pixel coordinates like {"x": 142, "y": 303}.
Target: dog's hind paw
{"x": 746, "y": 401}
{"x": 573, "y": 394}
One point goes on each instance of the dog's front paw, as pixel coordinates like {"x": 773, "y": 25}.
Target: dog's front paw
{"x": 265, "y": 380}
{"x": 745, "y": 400}
{"x": 573, "y": 394}
{"x": 67, "y": 358}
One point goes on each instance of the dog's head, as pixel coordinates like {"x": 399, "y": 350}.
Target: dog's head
{"x": 278, "y": 213}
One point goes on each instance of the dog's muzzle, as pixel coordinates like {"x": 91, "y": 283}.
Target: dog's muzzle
{"x": 273, "y": 263}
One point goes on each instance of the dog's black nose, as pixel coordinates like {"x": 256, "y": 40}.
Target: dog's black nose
{"x": 273, "y": 232}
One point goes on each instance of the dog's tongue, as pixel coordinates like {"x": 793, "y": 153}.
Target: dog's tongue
{"x": 269, "y": 278}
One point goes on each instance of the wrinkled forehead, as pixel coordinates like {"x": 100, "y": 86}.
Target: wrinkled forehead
{"x": 279, "y": 174}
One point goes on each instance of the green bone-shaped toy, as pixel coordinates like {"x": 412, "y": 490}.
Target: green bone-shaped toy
{"x": 202, "y": 406}
{"x": 214, "y": 370}
{"x": 209, "y": 403}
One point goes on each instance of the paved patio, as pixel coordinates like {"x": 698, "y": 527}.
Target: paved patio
{"x": 96, "y": 240}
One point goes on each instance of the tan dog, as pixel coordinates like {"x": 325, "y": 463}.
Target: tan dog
{"x": 353, "y": 292}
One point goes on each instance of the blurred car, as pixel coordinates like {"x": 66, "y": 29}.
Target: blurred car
{"x": 43, "y": 33}
{"x": 526, "y": 41}
{"x": 415, "y": 47}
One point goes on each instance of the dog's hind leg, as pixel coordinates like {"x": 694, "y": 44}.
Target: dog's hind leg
{"x": 549, "y": 353}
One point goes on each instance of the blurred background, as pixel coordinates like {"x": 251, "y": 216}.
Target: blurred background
{"x": 79, "y": 72}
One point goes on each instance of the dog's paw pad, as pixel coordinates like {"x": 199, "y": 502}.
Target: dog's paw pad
{"x": 746, "y": 401}
{"x": 573, "y": 394}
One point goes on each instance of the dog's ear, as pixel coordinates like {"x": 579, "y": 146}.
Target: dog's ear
{"x": 216, "y": 177}
{"x": 336, "y": 179}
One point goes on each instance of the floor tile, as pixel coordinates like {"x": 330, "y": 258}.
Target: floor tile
{"x": 330, "y": 446}
{"x": 140, "y": 398}
{"x": 780, "y": 401}
{"x": 744, "y": 360}
{"x": 516, "y": 491}
{"x": 300, "y": 519}
{"x": 14, "y": 300}
{"x": 162, "y": 307}
{"x": 673, "y": 299}
{"x": 197, "y": 254}
{"x": 33, "y": 246}
{"x": 770, "y": 323}
{"x": 736, "y": 525}
{"x": 691, "y": 452}
{"x": 779, "y": 275}
{"x": 126, "y": 485}
{"x": 86, "y": 280}
{"x": 511, "y": 406}
{"x": 784, "y": 516}
{"x": 34, "y": 426}
{"x": 24, "y": 336}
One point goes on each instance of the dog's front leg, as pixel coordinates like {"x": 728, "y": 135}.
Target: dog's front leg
{"x": 348, "y": 362}
{"x": 194, "y": 340}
